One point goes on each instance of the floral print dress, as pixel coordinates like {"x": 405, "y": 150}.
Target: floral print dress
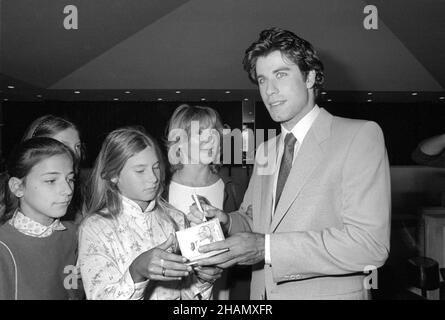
{"x": 108, "y": 246}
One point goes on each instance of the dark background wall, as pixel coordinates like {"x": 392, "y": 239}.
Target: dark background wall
{"x": 96, "y": 119}
{"x": 404, "y": 125}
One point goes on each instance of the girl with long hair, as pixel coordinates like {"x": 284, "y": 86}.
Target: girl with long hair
{"x": 127, "y": 247}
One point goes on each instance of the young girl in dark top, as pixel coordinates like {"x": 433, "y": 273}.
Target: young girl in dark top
{"x": 66, "y": 132}
{"x": 37, "y": 251}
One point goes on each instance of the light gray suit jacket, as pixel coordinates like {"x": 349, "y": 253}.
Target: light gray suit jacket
{"x": 333, "y": 217}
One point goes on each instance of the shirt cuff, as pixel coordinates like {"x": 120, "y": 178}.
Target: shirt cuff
{"x": 267, "y": 258}
{"x": 202, "y": 290}
{"x": 139, "y": 289}
{"x": 230, "y": 223}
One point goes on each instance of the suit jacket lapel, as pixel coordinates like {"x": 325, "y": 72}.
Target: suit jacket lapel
{"x": 307, "y": 159}
{"x": 266, "y": 205}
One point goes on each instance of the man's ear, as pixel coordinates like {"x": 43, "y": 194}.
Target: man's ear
{"x": 16, "y": 186}
{"x": 310, "y": 79}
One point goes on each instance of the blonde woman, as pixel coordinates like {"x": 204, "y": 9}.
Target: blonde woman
{"x": 194, "y": 143}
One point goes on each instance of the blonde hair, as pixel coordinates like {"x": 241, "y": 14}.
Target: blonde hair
{"x": 119, "y": 146}
{"x": 182, "y": 118}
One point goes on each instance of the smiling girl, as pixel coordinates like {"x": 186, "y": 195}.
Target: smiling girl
{"x": 195, "y": 167}
{"x": 37, "y": 251}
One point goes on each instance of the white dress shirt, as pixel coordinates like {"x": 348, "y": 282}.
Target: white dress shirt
{"x": 299, "y": 131}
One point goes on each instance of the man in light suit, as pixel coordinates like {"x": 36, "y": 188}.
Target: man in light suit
{"x": 316, "y": 213}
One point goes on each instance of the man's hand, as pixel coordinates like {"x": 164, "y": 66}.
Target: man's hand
{"x": 208, "y": 274}
{"x": 196, "y": 217}
{"x": 245, "y": 248}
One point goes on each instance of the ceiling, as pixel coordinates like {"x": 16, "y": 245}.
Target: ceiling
{"x": 187, "y": 50}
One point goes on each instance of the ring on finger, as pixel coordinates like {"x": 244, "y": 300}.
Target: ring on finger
{"x": 163, "y": 271}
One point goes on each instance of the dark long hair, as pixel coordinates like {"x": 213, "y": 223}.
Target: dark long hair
{"x": 296, "y": 49}
{"x": 22, "y": 159}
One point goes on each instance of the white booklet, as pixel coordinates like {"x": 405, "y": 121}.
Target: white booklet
{"x": 192, "y": 238}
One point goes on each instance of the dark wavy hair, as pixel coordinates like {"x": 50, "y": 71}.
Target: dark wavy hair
{"x": 296, "y": 49}
{"x": 22, "y": 159}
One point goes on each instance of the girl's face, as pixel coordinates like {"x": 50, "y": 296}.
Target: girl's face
{"x": 46, "y": 191}
{"x": 70, "y": 138}
{"x": 204, "y": 148}
{"x": 140, "y": 177}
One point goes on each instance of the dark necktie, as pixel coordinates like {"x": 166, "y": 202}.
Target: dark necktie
{"x": 286, "y": 164}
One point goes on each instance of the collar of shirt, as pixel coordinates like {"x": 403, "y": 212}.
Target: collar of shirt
{"x": 33, "y": 228}
{"x": 302, "y": 127}
{"x": 133, "y": 208}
